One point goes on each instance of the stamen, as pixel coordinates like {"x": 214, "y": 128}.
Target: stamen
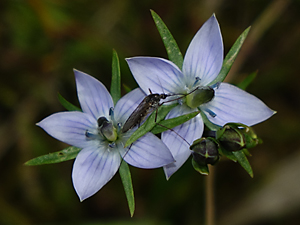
{"x": 88, "y": 134}
{"x": 211, "y": 113}
{"x": 112, "y": 145}
{"x": 197, "y": 80}
{"x": 111, "y": 113}
{"x": 215, "y": 85}
{"x": 119, "y": 125}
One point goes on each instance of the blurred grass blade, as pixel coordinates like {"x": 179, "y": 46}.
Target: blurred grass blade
{"x": 247, "y": 81}
{"x": 242, "y": 159}
{"x": 174, "y": 122}
{"x": 231, "y": 56}
{"x": 55, "y": 157}
{"x": 203, "y": 169}
{"x": 150, "y": 123}
{"x": 115, "y": 87}
{"x": 68, "y": 106}
{"x": 126, "y": 88}
{"x": 127, "y": 184}
{"x": 171, "y": 46}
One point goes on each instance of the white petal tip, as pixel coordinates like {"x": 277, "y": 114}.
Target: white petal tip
{"x": 81, "y": 200}
{"x": 167, "y": 177}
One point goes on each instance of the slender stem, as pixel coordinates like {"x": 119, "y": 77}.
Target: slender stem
{"x": 210, "y": 198}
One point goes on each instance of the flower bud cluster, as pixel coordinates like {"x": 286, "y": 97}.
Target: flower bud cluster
{"x": 231, "y": 137}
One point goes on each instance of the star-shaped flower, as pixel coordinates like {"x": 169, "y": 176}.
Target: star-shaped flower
{"x": 97, "y": 130}
{"x": 221, "y": 102}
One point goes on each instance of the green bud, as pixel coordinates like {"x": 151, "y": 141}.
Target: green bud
{"x": 251, "y": 138}
{"x": 232, "y": 139}
{"x": 205, "y": 151}
{"x": 236, "y": 136}
{"x": 200, "y": 96}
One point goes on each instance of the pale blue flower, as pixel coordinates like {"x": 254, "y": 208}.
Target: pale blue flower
{"x": 103, "y": 143}
{"x": 222, "y": 102}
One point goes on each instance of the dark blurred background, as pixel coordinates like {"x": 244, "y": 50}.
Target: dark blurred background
{"x": 41, "y": 41}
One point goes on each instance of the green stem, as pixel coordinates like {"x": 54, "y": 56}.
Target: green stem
{"x": 210, "y": 198}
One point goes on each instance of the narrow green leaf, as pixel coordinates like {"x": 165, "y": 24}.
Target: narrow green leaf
{"x": 203, "y": 169}
{"x": 242, "y": 159}
{"x": 115, "y": 87}
{"x": 127, "y": 184}
{"x": 69, "y": 106}
{"x": 246, "y": 152}
{"x": 231, "y": 56}
{"x": 150, "y": 123}
{"x": 247, "y": 81}
{"x": 55, "y": 157}
{"x": 174, "y": 122}
{"x": 171, "y": 46}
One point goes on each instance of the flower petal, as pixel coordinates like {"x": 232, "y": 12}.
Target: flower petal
{"x": 93, "y": 95}
{"x": 92, "y": 169}
{"x": 69, "y": 127}
{"x": 189, "y": 131}
{"x": 204, "y": 56}
{"x": 232, "y": 104}
{"x": 147, "y": 152}
{"x": 127, "y": 104}
{"x": 160, "y": 75}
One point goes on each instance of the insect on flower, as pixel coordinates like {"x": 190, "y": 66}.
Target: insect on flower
{"x": 220, "y": 103}
{"x": 150, "y": 103}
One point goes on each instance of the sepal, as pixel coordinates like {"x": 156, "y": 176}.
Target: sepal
{"x": 202, "y": 169}
{"x": 171, "y": 46}
{"x": 55, "y": 157}
{"x": 68, "y": 106}
{"x": 230, "y": 57}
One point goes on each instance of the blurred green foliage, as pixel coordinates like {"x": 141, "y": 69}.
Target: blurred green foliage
{"x": 41, "y": 41}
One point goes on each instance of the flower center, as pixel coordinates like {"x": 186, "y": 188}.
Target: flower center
{"x": 107, "y": 129}
{"x": 202, "y": 95}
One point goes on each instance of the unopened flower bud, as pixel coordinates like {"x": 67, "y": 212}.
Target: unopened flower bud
{"x": 251, "y": 138}
{"x": 236, "y": 136}
{"x": 232, "y": 139}
{"x": 205, "y": 151}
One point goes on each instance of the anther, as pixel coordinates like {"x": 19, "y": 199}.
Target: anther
{"x": 197, "y": 80}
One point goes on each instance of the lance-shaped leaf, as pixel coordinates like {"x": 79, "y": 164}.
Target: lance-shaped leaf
{"x": 171, "y": 46}
{"x": 171, "y": 123}
{"x": 231, "y": 56}
{"x": 150, "y": 123}
{"x": 55, "y": 157}
{"x": 115, "y": 91}
{"x": 242, "y": 159}
{"x": 115, "y": 88}
{"x": 228, "y": 154}
{"x": 68, "y": 106}
{"x": 127, "y": 184}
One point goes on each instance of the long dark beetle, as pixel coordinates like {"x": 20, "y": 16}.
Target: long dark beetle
{"x": 148, "y": 105}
